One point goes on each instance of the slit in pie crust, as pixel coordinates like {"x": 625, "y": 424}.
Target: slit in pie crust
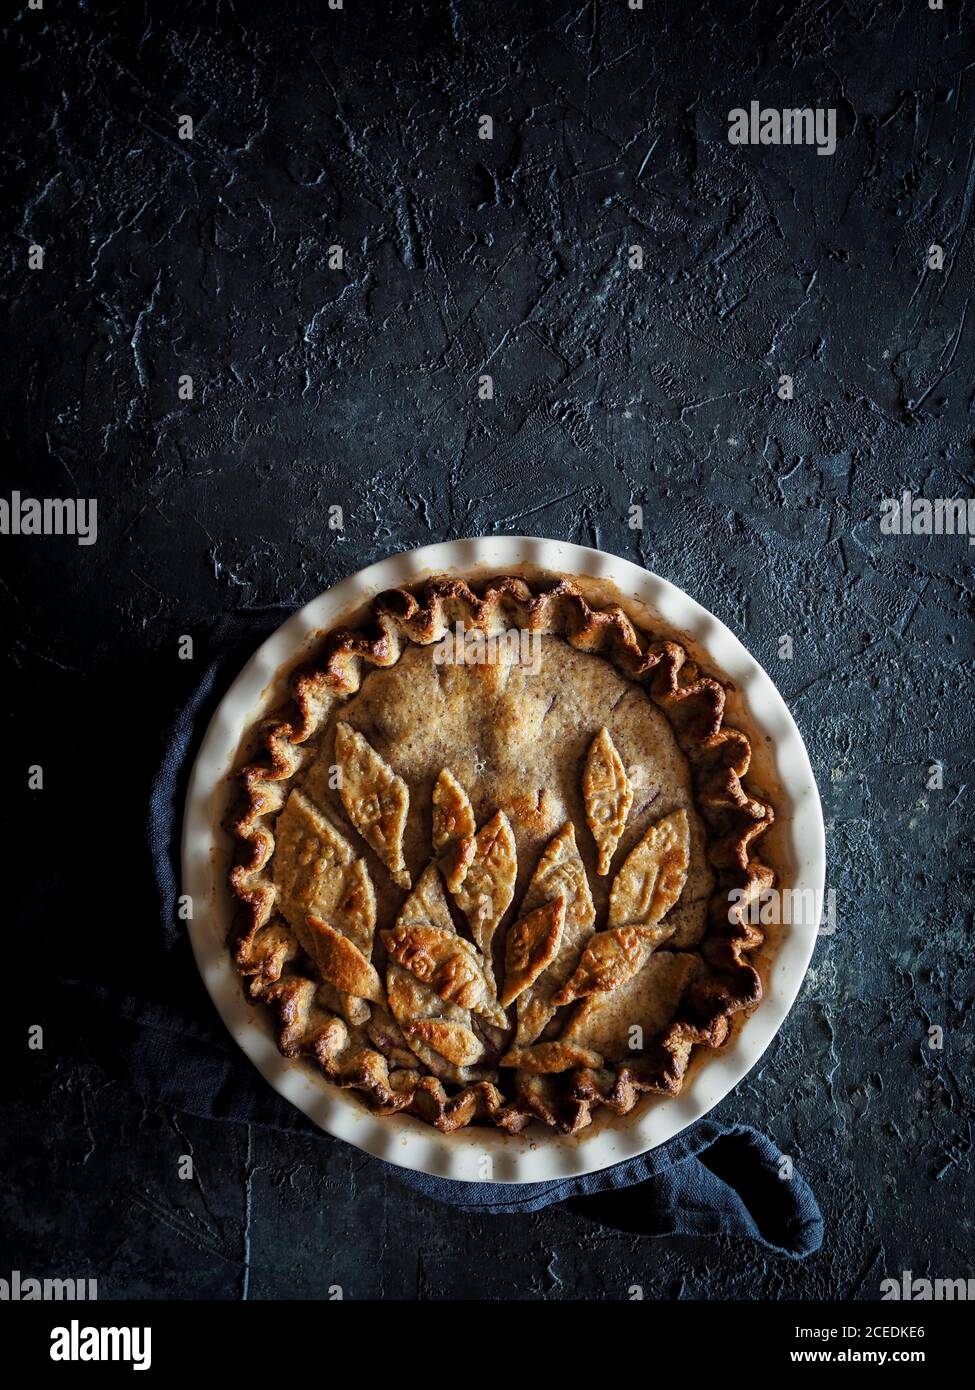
{"x": 491, "y": 891}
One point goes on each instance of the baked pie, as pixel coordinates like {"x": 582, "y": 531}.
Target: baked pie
{"x": 485, "y": 859}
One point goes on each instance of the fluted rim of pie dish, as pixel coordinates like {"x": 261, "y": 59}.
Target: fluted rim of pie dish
{"x": 537, "y": 1154}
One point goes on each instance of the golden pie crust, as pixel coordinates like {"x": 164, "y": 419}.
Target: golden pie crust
{"x": 498, "y": 890}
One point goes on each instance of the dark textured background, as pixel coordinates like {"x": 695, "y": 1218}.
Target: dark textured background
{"x": 316, "y": 387}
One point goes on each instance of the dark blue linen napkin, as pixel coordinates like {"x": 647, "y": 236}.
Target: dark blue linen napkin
{"x": 711, "y": 1180}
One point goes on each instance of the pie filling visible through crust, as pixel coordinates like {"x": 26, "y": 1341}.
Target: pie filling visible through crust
{"x": 496, "y": 889}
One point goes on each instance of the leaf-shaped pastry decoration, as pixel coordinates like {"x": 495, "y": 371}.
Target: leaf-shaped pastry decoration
{"x": 315, "y": 874}
{"x": 342, "y": 964}
{"x": 449, "y": 1037}
{"x": 453, "y": 815}
{"x": 427, "y": 904}
{"x": 489, "y": 884}
{"x": 560, "y": 873}
{"x": 411, "y": 1001}
{"x": 454, "y": 1041}
{"x": 454, "y": 828}
{"x": 375, "y": 799}
{"x": 354, "y": 913}
{"x": 653, "y": 875}
{"x": 310, "y": 856}
{"x": 608, "y": 796}
{"x": 448, "y": 964}
{"x": 610, "y": 958}
{"x": 530, "y": 946}
{"x": 551, "y": 1057}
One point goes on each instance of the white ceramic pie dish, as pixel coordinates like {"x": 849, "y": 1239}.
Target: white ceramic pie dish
{"x": 474, "y": 1153}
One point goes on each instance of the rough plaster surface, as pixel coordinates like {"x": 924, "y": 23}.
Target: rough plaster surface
{"x": 613, "y": 387}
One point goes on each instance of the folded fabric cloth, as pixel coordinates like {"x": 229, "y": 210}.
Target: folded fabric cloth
{"x": 710, "y": 1180}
